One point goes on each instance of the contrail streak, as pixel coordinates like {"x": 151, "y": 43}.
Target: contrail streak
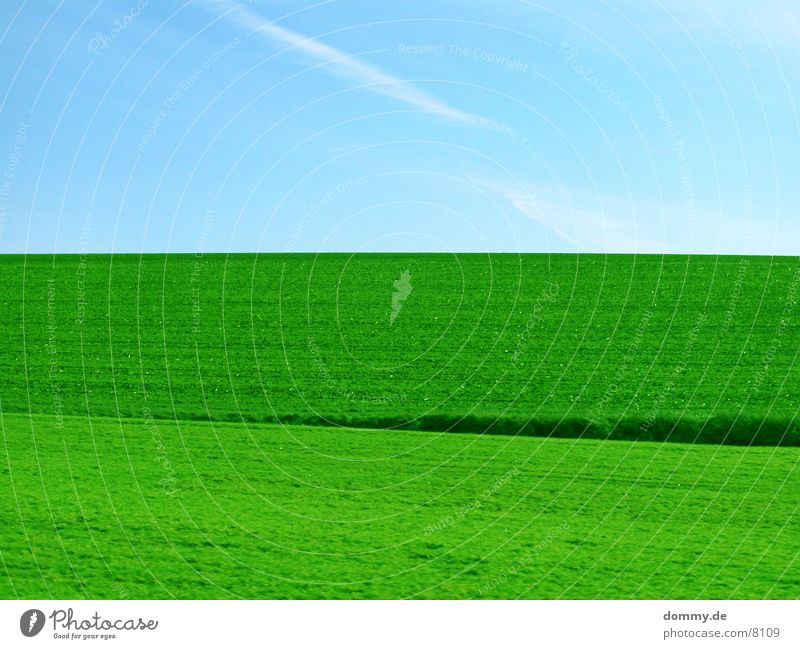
{"x": 340, "y": 63}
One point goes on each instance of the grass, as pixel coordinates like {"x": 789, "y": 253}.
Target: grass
{"x": 694, "y": 349}
{"x": 102, "y": 508}
{"x": 289, "y": 426}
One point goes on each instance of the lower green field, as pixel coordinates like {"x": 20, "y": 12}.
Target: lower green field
{"x": 143, "y": 508}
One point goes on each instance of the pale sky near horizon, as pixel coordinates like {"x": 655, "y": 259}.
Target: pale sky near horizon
{"x": 264, "y": 126}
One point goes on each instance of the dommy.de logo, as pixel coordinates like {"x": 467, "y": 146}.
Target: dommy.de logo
{"x": 31, "y": 622}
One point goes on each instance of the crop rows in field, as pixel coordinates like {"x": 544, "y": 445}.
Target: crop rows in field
{"x": 627, "y": 347}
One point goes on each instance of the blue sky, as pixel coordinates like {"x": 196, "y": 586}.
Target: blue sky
{"x": 214, "y": 125}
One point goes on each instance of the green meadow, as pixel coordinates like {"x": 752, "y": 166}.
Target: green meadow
{"x": 107, "y": 508}
{"x": 399, "y": 425}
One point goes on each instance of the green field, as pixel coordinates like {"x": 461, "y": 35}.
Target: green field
{"x": 281, "y": 426}
{"x": 627, "y": 346}
{"x": 110, "y": 509}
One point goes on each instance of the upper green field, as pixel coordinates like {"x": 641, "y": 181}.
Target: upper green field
{"x": 636, "y": 347}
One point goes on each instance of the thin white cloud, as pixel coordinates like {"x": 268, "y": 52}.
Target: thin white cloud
{"x": 619, "y": 226}
{"x": 340, "y": 63}
{"x": 585, "y": 230}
